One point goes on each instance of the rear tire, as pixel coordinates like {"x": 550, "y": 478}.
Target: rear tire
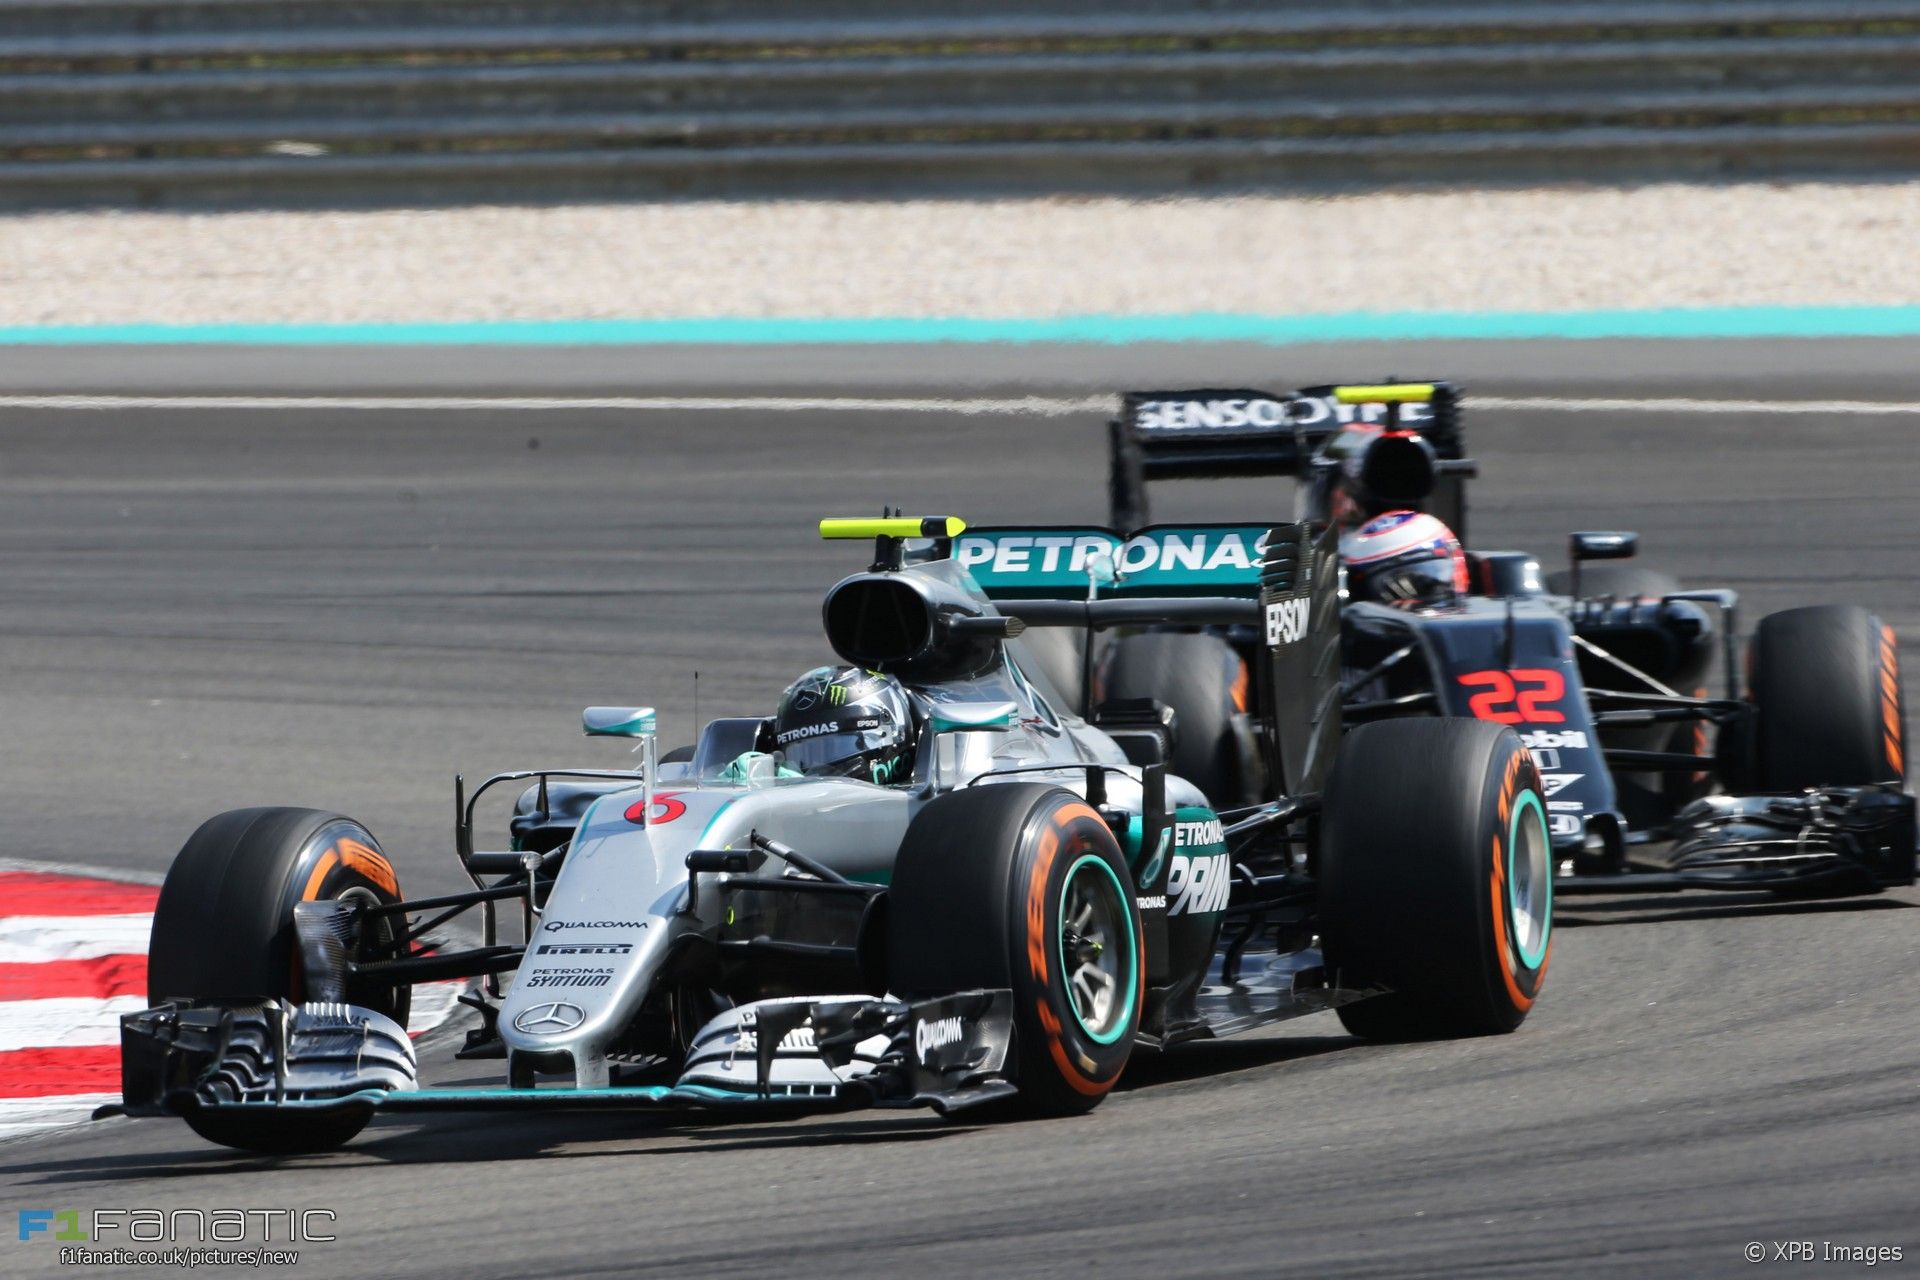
{"x": 1053, "y": 657}
{"x": 1436, "y": 878}
{"x": 1829, "y": 712}
{"x": 223, "y": 929}
{"x": 1022, "y": 886}
{"x": 1208, "y": 687}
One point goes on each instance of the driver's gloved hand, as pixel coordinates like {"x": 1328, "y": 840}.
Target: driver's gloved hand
{"x": 756, "y": 766}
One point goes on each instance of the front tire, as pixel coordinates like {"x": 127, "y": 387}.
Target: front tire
{"x": 223, "y": 929}
{"x": 1022, "y": 886}
{"x": 1436, "y": 878}
{"x": 1829, "y": 711}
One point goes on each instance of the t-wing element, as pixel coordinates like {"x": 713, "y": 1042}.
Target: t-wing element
{"x": 890, "y": 534}
{"x": 1395, "y": 393}
{"x": 893, "y": 527}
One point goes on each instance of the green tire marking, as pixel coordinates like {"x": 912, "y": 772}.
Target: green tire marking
{"x": 1133, "y": 945}
{"x": 1531, "y": 959}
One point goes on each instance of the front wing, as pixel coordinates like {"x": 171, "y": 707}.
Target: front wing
{"x": 1829, "y": 842}
{"x": 947, "y": 1053}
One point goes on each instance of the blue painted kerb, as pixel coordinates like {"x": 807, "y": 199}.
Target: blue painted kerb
{"x": 1274, "y": 330}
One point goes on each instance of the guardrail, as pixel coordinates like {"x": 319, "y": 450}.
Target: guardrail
{"x": 402, "y": 101}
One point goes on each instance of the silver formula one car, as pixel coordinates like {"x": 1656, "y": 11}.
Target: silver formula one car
{"x": 923, "y": 881}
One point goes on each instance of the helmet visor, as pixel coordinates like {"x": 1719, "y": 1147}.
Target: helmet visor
{"x": 835, "y": 750}
{"x": 1429, "y": 580}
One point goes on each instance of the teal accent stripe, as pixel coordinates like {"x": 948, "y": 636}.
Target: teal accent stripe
{"x": 1272, "y": 330}
{"x": 1133, "y": 948}
{"x": 1528, "y": 800}
{"x": 553, "y": 1093}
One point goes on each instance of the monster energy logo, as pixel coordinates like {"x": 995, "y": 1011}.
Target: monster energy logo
{"x": 836, "y": 695}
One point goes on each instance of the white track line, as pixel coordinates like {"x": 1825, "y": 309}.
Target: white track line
{"x": 1043, "y": 406}
{"x": 1551, "y": 404}
{"x": 1037, "y": 406}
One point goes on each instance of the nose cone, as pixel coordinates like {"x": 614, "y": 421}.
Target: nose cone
{"x": 596, "y": 946}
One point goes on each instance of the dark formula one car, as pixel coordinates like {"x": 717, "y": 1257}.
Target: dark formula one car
{"x": 1791, "y": 779}
{"x": 1003, "y": 912}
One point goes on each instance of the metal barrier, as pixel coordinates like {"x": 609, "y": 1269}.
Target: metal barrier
{"x": 405, "y": 101}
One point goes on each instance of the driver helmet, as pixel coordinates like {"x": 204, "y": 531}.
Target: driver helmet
{"x": 1404, "y": 558}
{"x": 848, "y": 723}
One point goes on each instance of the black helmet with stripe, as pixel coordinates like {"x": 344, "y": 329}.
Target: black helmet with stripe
{"x": 846, "y": 722}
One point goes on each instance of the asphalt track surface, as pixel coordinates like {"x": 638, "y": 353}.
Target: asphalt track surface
{"x": 204, "y": 610}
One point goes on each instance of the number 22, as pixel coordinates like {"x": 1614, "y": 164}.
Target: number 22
{"x": 1521, "y": 696}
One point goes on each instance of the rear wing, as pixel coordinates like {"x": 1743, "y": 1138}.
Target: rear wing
{"x": 1069, "y": 562}
{"x": 1216, "y": 432}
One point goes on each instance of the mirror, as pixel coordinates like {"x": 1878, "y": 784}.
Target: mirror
{"x": 1604, "y": 546}
{"x": 952, "y": 717}
{"x": 1102, "y": 571}
{"x": 617, "y": 722}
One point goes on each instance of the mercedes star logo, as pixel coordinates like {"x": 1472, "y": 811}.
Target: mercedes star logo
{"x": 546, "y": 1019}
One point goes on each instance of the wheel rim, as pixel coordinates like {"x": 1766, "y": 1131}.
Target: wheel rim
{"x": 1529, "y": 879}
{"x": 383, "y": 937}
{"x": 1096, "y": 949}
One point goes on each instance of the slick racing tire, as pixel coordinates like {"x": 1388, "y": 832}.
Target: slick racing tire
{"x": 1207, "y": 685}
{"x": 1436, "y": 878}
{"x": 1022, "y": 886}
{"x": 223, "y": 928}
{"x": 1829, "y": 712}
{"x": 1621, "y": 581}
